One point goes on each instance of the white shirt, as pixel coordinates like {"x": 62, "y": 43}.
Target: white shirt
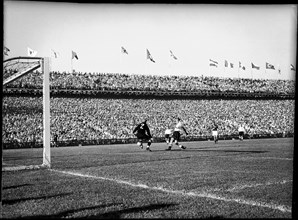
{"x": 241, "y": 128}
{"x": 179, "y": 126}
{"x": 168, "y": 131}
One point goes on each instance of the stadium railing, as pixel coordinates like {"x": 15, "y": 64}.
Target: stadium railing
{"x": 145, "y": 94}
{"x": 68, "y": 143}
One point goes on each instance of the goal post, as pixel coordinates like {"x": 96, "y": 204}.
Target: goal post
{"x": 46, "y": 113}
{"x": 17, "y": 67}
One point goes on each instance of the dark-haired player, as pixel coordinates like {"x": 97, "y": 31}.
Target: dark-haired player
{"x": 168, "y": 135}
{"x": 142, "y": 132}
{"x": 241, "y": 132}
{"x": 215, "y": 132}
{"x": 176, "y": 134}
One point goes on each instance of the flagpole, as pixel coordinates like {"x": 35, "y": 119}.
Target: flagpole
{"x": 71, "y": 66}
{"x": 169, "y": 63}
{"x": 146, "y": 62}
{"x": 50, "y": 61}
{"x": 120, "y": 59}
{"x": 251, "y": 73}
{"x": 238, "y": 71}
{"x": 209, "y": 68}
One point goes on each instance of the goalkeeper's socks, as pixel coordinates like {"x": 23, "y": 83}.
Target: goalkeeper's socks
{"x": 148, "y": 148}
{"x": 182, "y": 147}
{"x": 169, "y": 147}
{"x": 140, "y": 144}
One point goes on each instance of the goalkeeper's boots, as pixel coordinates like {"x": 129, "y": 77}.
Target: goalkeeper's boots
{"x": 140, "y": 144}
{"x": 169, "y": 147}
{"x": 182, "y": 147}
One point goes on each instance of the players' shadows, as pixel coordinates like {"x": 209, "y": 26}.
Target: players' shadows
{"x": 117, "y": 214}
{"x": 13, "y": 158}
{"x": 13, "y": 201}
{"x": 17, "y": 186}
{"x": 142, "y": 161}
{"x": 225, "y": 151}
{"x": 112, "y": 214}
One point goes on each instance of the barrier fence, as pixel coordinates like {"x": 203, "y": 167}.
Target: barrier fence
{"x": 150, "y": 94}
{"x": 69, "y": 143}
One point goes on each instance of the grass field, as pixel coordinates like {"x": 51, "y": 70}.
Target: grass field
{"x": 231, "y": 179}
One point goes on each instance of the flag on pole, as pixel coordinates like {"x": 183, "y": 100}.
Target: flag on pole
{"x": 172, "y": 55}
{"x": 56, "y": 54}
{"x": 74, "y": 55}
{"x": 123, "y": 50}
{"x": 292, "y": 67}
{"x": 240, "y": 66}
{"x": 227, "y": 64}
{"x": 279, "y": 70}
{"x": 31, "y": 53}
{"x": 269, "y": 66}
{"x": 6, "y": 50}
{"x": 149, "y": 56}
{"x": 213, "y": 63}
{"x": 254, "y": 66}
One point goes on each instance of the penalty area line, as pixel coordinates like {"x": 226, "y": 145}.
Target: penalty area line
{"x": 184, "y": 193}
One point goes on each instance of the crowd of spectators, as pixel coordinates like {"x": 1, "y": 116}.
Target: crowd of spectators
{"x": 124, "y": 82}
{"x": 98, "y": 118}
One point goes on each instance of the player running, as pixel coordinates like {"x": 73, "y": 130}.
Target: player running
{"x": 241, "y": 132}
{"x": 215, "y": 132}
{"x": 142, "y": 132}
{"x": 176, "y": 135}
{"x": 168, "y": 135}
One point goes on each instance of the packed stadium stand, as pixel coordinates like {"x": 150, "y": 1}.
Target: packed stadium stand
{"x": 100, "y": 108}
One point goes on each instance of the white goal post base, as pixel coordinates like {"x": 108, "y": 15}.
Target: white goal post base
{"x": 30, "y": 167}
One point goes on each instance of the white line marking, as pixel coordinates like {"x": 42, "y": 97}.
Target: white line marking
{"x": 239, "y": 187}
{"x": 266, "y": 158}
{"x": 258, "y": 184}
{"x": 181, "y": 192}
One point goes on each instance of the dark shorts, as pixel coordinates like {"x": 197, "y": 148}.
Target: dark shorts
{"x": 176, "y": 135}
{"x": 167, "y": 136}
{"x": 143, "y": 137}
{"x": 241, "y": 133}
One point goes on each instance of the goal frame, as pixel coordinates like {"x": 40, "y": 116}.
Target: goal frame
{"x": 44, "y": 64}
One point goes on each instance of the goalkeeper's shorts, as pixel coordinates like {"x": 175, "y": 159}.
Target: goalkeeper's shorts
{"x": 143, "y": 136}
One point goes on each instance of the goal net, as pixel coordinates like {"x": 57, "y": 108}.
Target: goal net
{"x": 25, "y": 119}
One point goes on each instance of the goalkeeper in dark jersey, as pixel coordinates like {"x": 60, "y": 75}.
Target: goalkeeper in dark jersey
{"x": 142, "y": 132}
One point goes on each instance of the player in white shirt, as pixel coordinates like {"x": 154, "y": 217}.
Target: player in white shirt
{"x": 215, "y": 132}
{"x": 176, "y": 134}
{"x": 241, "y": 132}
{"x": 168, "y": 135}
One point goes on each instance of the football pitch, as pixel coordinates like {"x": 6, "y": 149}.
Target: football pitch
{"x": 232, "y": 179}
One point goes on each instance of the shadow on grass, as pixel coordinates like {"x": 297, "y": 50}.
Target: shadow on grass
{"x": 13, "y": 201}
{"x": 24, "y": 157}
{"x": 64, "y": 214}
{"x": 117, "y": 163}
{"x": 117, "y": 214}
{"x": 218, "y": 150}
{"x": 17, "y": 186}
